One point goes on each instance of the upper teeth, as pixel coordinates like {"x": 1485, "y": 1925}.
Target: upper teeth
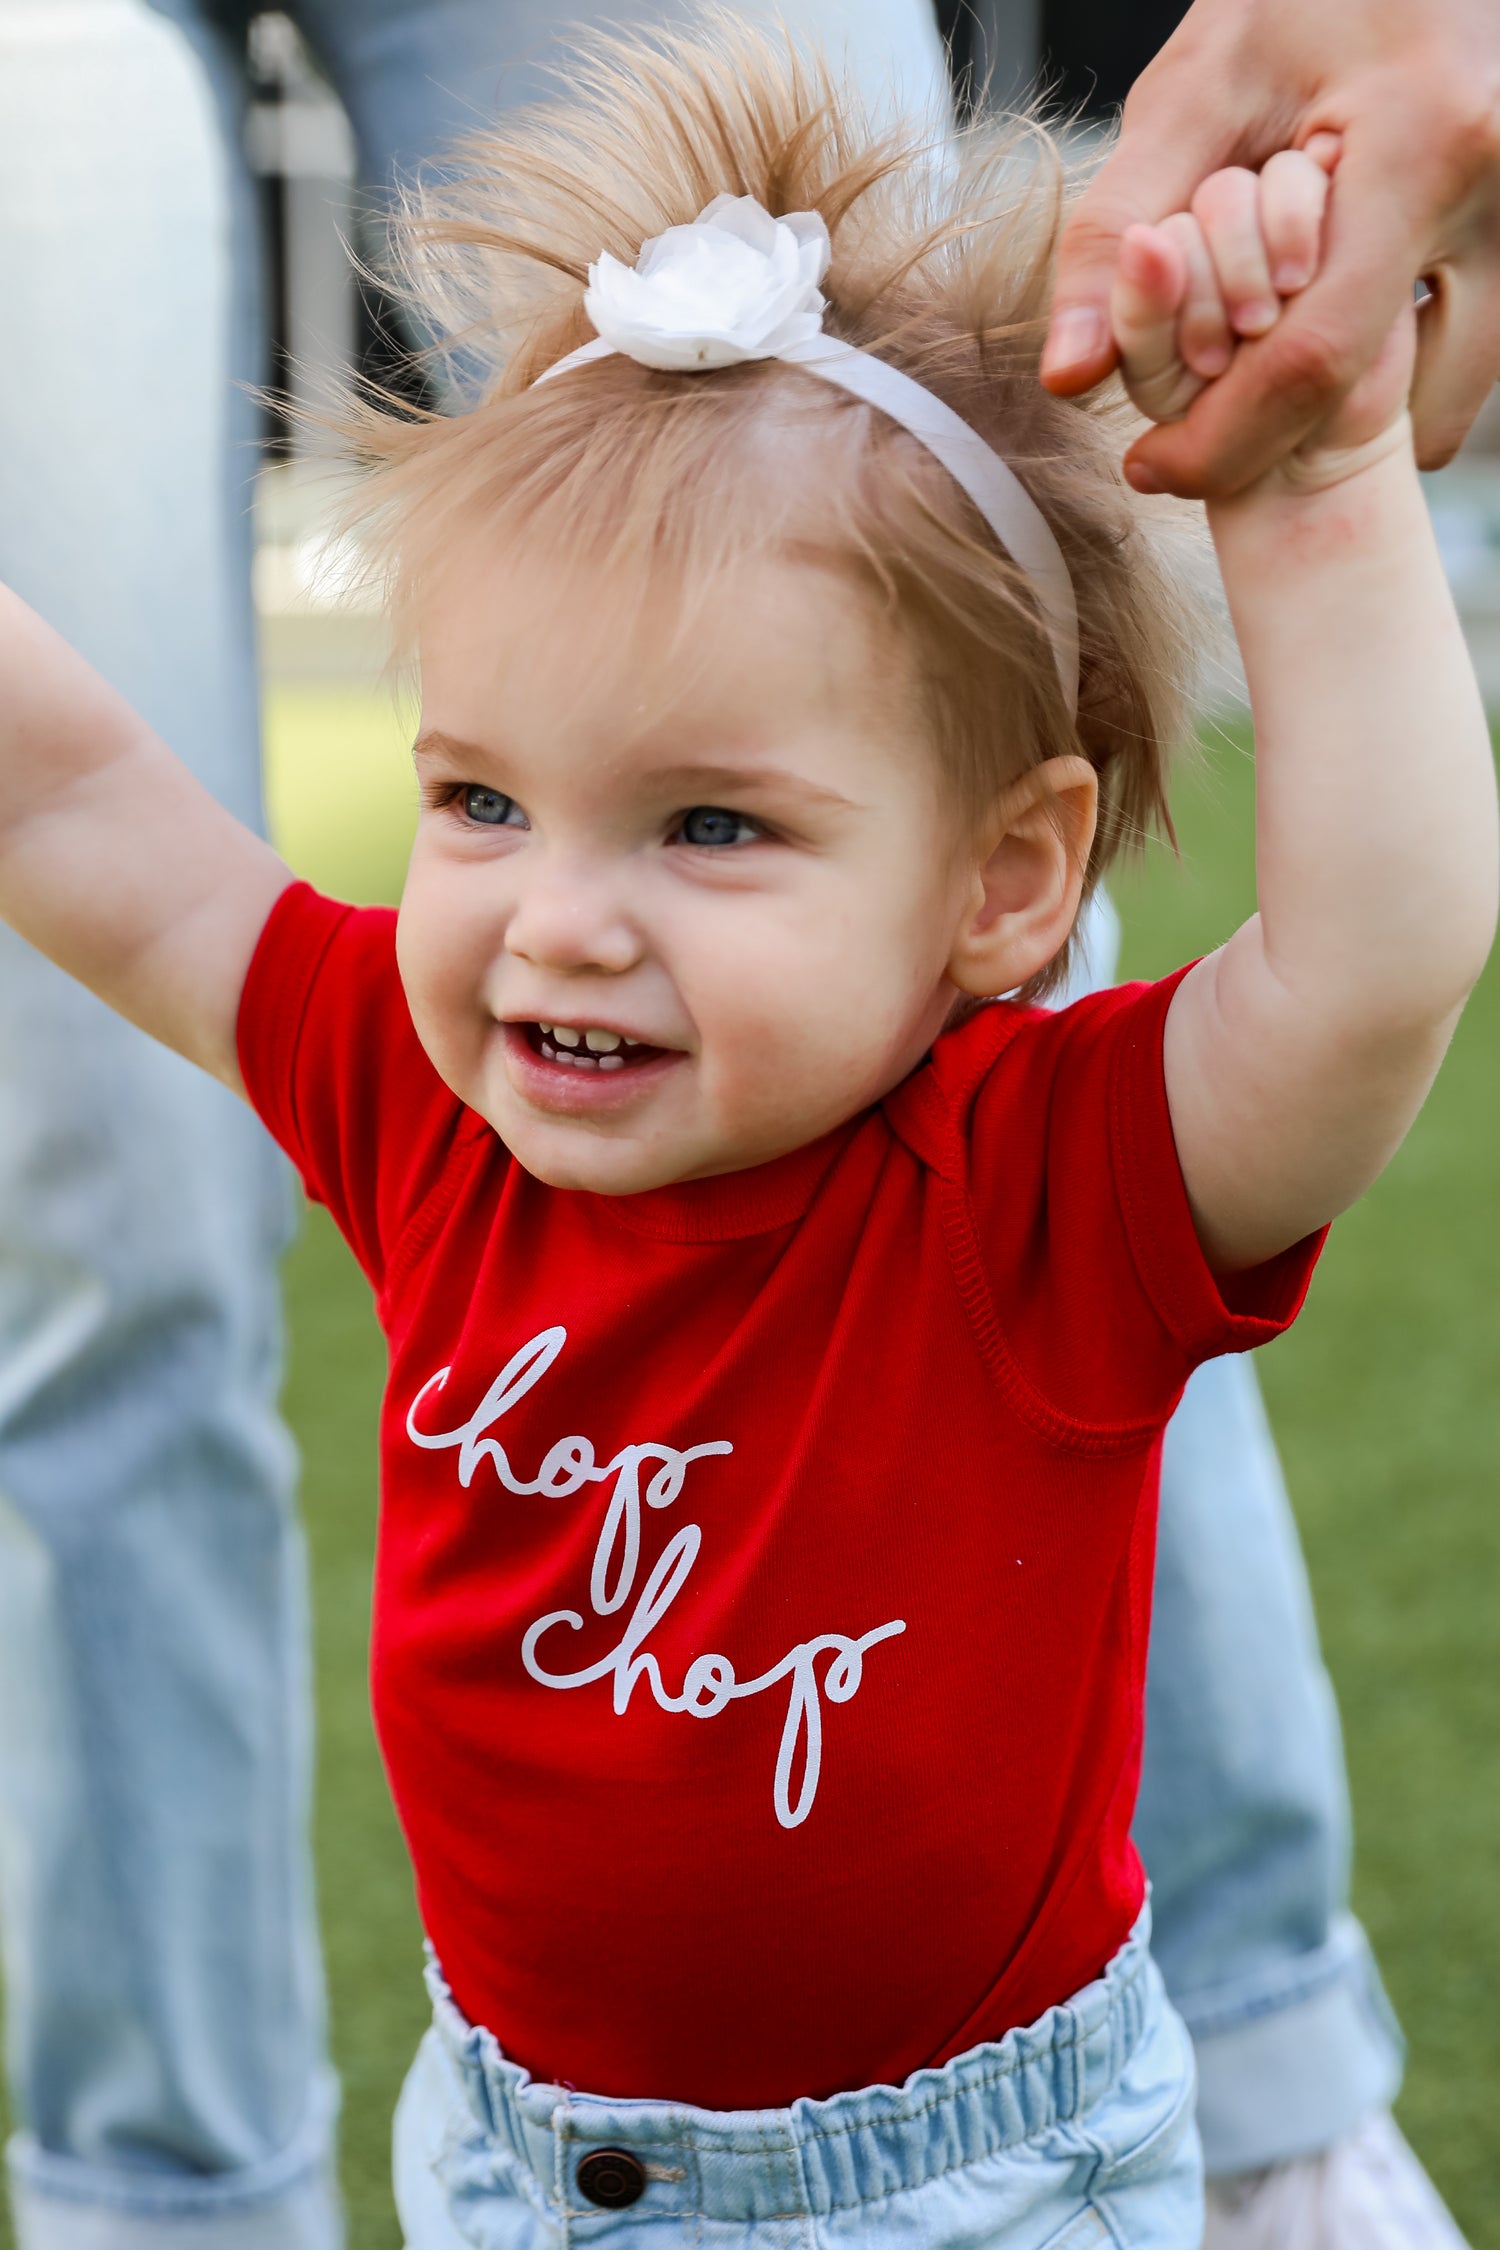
{"x": 597, "y": 1041}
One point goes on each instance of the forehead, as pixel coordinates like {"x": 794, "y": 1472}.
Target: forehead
{"x": 566, "y": 647}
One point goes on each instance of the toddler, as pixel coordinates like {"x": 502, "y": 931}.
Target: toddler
{"x": 781, "y": 1330}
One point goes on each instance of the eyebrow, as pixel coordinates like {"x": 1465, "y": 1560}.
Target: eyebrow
{"x": 433, "y": 744}
{"x": 701, "y": 781}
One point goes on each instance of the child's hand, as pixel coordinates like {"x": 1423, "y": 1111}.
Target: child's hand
{"x": 1186, "y": 292}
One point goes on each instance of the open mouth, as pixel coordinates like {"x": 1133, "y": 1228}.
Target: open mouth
{"x": 588, "y": 1048}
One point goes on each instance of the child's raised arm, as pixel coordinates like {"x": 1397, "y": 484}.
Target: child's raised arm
{"x": 114, "y": 860}
{"x": 1298, "y": 1055}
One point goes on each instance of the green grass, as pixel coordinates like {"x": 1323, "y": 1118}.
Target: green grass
{"x": 340, "y": 792}
{"x": 1385, "y": 1400}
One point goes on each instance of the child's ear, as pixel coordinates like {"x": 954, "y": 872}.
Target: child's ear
{"x": 1026, "y": 890}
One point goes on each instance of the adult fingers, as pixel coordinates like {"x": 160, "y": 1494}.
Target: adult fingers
{"x": 1458, "y": 358}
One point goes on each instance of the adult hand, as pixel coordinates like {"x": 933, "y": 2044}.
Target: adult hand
{"x": 1412, "y": 87}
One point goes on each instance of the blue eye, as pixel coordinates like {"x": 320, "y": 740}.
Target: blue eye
{"x": 711, "y": 825}
{"x": 492, "y": 810}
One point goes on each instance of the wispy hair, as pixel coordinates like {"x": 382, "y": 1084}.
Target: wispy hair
{"x": 942, "y": 262}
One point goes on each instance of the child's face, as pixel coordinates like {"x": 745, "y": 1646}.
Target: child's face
{"x": 672, "y": 914}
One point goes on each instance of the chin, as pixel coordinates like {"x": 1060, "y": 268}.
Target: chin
{"x": 590, "y": 1167}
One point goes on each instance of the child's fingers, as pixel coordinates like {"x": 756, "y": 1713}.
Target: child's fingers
{"x": 1149, "y": 282}
{"x": 1204, "y": 335}
{"x": 1248, "y": 240}
{"x": 1293, "y": 196}
{"x": 1227, "y": 207}
{"x": 1324, "y": 147}
{"x": 1149, "y": 286}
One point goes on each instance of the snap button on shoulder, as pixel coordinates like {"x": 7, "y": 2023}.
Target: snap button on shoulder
{"x": 611, "y": 2177}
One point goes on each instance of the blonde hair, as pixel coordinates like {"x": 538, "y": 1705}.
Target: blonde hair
{"x": 942, "y": 262}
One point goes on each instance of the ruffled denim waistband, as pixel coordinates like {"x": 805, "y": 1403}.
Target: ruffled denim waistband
{"x": 746, "y": 2166}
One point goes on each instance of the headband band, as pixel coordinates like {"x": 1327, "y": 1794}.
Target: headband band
{"x": 739, "y": 285}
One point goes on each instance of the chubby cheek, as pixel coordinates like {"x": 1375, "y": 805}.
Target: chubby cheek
{"x": 802, "y": 1035}
{"x": 443, "y": 962}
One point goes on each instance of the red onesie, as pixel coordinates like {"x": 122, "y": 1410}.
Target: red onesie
{"x": 764, "y": 1562}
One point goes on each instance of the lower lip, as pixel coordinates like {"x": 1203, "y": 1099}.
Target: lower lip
{"x": 566, "y": 1092}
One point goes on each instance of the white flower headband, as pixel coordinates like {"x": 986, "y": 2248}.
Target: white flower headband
{"x": 739, "y": 285}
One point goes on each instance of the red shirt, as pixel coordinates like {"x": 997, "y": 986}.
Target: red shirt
{"x": 765, "y": 1562}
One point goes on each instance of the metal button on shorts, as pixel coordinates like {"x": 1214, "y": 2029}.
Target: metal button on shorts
{"x": 611, "y": 2177}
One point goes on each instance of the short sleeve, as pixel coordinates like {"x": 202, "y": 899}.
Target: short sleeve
{"x": 334, "y": 1069}
{"x": 1080, "y": 1228}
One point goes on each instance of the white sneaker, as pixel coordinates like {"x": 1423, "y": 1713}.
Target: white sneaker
{"x": 1367, "y": 2192}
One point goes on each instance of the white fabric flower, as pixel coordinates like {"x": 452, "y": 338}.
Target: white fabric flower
{"x": 735, "y": 285}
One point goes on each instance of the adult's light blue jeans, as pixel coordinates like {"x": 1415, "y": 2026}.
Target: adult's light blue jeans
{"x": 164, "y": 2027}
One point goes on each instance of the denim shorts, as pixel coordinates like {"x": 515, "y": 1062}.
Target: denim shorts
{"x": 1077, "y": 2129}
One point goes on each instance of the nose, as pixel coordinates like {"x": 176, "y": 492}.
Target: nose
{"x": 570, "y": 918}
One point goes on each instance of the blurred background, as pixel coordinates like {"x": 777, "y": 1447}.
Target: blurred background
{"x": 326, "y": 321}
{"x": 1386, "y": 1399}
